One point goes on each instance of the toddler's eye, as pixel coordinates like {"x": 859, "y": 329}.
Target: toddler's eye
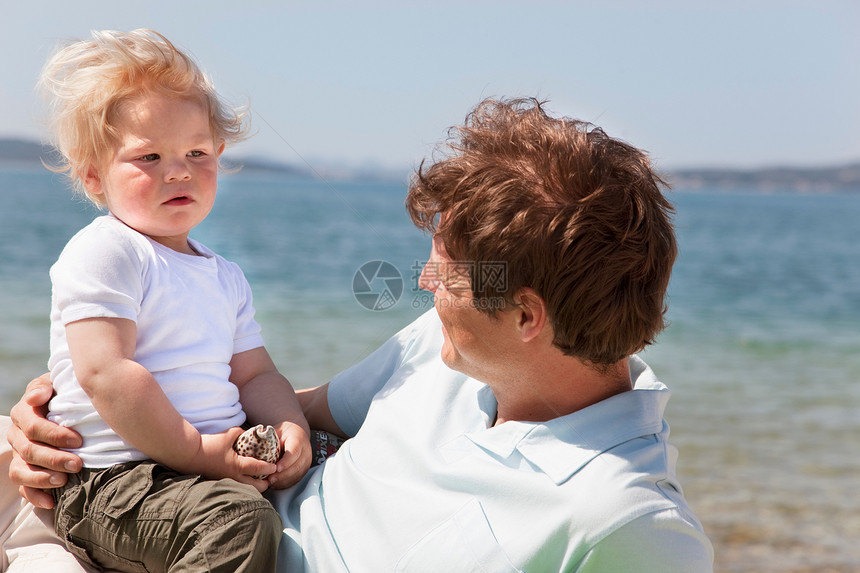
{"x": 196, "y": 153}
{"x": 149, "y": 157}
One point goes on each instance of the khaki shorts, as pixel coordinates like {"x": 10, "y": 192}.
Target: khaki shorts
{"x": 142, "y": 516}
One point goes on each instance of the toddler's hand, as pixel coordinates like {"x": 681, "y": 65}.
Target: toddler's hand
{"x": 294, "y": 463}
{"x": 259, "y": 442}
{"x": 222, "y": 461}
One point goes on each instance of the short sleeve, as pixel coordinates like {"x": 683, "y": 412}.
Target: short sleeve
{"x": 660, "y": 542}
{"x": 248, "y": 331}
{"x": 351, "y": 392}
{"x": 98, "y": 275}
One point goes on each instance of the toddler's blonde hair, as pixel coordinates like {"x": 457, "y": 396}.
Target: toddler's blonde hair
{"x": 86, "y": 81}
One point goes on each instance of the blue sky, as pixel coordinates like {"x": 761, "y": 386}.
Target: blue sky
{"x": 742, "y": 84}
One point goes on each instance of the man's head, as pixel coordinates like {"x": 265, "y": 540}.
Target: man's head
{"x": 567, "y": 211}
{"x": 88, "y": 82}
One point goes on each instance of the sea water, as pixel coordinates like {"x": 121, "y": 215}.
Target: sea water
{"x": 761, "y": 353}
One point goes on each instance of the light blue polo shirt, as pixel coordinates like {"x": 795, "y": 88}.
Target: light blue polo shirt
{"x": 428, "y": 485}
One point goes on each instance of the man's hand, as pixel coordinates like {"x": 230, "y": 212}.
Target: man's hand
{"x": 36, "y": 462}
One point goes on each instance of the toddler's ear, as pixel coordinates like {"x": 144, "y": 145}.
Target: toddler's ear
{"x": 92, "y": 181}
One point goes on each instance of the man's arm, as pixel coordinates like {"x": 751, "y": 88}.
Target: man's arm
{"x": 314, "y": 403}
{"x": 660, "y": 542}
{"x": 37, "y": 463}
{"x": 347, "y": 398}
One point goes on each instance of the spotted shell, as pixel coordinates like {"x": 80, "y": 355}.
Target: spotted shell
{"x": 259, "y": 442}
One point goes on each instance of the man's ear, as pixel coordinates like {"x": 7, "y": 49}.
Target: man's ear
{"x": 531, "y": 314}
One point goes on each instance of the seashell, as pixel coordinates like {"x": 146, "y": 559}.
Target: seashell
{"x": 259, "y": 442}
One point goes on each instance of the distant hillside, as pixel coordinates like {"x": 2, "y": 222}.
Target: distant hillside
{"x": 249, "y": 164}
{"x": 840, "y": 178}
{"x": 23, "y": 151}
{"x": 27, "y": 152}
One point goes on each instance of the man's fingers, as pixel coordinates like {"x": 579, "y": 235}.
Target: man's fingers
{"x": 29, "y": 424}
{"x": 29, "y": 415}
{"x": 37, "y": 497}
{"x": 39, "y": 391}
{"x": 28, "y": 475}
{"x": 37, "y": 454}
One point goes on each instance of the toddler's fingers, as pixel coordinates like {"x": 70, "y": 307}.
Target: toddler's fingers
{"x": 291, "y": 468}
{"x": 260, "y": 485}
{"x": 253, "y": 467}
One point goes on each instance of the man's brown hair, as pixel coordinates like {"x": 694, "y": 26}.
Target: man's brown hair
{"x": 568, "y": 211}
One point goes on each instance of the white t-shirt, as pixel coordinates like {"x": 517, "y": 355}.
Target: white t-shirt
{"x": 193, "y": 313}
{"x": 428, "y": 484}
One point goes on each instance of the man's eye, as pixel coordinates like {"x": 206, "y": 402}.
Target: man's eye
{"x": 457, "y": 284}
{"x": 149, "y": 157}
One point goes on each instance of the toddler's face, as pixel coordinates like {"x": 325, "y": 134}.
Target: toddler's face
{"x": 161, "y": 180}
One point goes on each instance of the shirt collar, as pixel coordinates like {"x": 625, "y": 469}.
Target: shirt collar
{"x": 562, "y": 446}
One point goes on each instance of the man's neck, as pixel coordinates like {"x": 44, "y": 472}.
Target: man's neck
{"x": 556, "y": 386}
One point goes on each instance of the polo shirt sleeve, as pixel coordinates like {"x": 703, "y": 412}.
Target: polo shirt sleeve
{"x": 351, "y": 392}
{"x": 660, "y": 542}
